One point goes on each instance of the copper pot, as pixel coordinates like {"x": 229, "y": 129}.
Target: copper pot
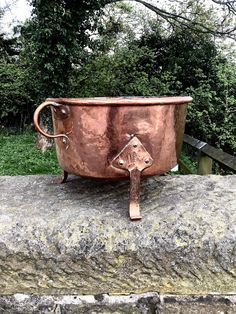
{"x": 115, "y": 138}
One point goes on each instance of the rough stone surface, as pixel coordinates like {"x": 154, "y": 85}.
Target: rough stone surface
{"x": 76, "y": 238}
{"x": 149, "y": 303}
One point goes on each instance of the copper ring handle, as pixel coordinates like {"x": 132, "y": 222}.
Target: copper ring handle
{"x": 36, "y": 120}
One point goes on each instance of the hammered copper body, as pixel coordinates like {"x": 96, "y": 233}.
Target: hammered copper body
{"x": 108, "y": 137}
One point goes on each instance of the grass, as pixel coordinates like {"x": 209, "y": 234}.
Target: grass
{"x": 20, "y": 156}
{"x": 189, "y": 163}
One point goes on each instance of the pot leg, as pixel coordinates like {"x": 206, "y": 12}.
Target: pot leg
{"x": 134, "y": 208}
{"x": 133, "y": 158}
{"x": 64, "y": 176}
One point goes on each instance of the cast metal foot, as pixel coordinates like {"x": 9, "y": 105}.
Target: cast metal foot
{"x": 133, "y": 158}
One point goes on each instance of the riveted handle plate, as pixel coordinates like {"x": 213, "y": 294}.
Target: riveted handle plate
{"x": 133, "y": 156}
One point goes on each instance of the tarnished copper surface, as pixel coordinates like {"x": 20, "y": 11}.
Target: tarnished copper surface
{"x": 91, "y": 132}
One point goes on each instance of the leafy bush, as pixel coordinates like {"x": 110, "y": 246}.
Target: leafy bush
{"x": 15, "y": 101}
{"x": 181, "y": 63}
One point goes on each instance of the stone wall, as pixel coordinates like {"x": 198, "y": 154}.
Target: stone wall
{"x": 77, "y": 239}
{"x": 148, "y": 303}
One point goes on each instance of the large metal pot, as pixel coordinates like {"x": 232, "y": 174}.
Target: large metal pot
{"x": 118, "y": 137}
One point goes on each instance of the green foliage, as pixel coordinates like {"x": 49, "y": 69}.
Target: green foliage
{"x": 211, "y": 116}
{"x": 114, "y": 75}
{"x": 7, "y": 47}
{"x": 181, "y": 63}
{"x": 188, "y": 162}
{"x": 15, "y": 102}
{"x": 19, "y": 155}
{"x": 198, "y": 69}
{"x": 54, "y": 38}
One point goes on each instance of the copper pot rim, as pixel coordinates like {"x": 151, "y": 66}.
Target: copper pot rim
{"x": 123, "y": 101}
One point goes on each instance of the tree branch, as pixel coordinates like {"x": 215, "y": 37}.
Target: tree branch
{"x": 224, "y": 2}
{"x": 176, "y": 16}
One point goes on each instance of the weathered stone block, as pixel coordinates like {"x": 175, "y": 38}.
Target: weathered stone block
{"x": 148, "y": 303}
{"x": 76, "y": 238}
